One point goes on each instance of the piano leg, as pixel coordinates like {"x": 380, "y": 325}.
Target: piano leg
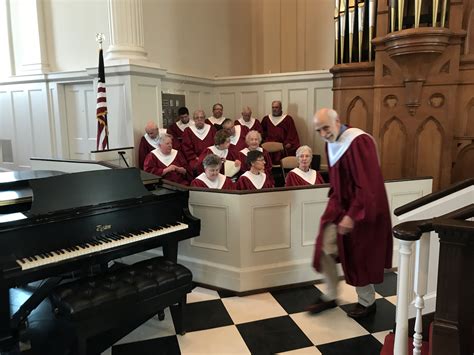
{"x": 8, "y": 336}
{"x": 170, "y": 250}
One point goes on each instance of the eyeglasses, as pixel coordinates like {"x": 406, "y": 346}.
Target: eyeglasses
{"x": 263, "y": 159}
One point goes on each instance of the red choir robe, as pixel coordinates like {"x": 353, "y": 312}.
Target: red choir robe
{"x": 222, "y": 182}
{"x": 358, "y": 190}
{"x": 252, "y": 125}
{"x": 250, "y": 181}
{"x": 216, "y": 122}
{"x": 237, "y": 141}
{"x": 147, "y": 144}
{"x": 195, "y": 142}
{"x": 268, "y": 161}
{"x": 280, "y": 129}
{"x": 176, "y": 130}
{"x": 224, "y": 154}
{"x": 298, "y": 177}
{"x": 156, "y": 162}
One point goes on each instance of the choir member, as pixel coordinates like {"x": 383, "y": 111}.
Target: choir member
{"x": 196, "y": 138}
{"x": 167, "y": 162}
{"x": 356, "y": 225}
{"x": 237, "y": 135}
{"x": 211, "y": 178}
{"x": 148, "y": 142}
{"x": 217, "y": 118}
{"x": 178, "y": 127}
{"x": 303, "y": 175}
{"x": 278, "y": 127}
{"x": 248, "y": 121}
{"x": 253, "y": 140}
{"x": 255, "y": 178}
{"x": 221, "y": 149}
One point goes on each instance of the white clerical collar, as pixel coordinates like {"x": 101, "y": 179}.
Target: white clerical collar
{"x": 235, "y": 138}
{"x": 165, "y": 159}
{"x": 245, "y": 151}
{"x": 308, "y": 176}
{"x": 221, "y": 153}
{"x": 276, "y": 119}
{"x": 201, "y": 133}
{"x": 337, "y": 149}
{"x": 216, "y": 184}
{"x": 182, "y": 126}
{"x": 249, "y": 124}
{"x": 256, "y": 180}
{"x": 151, "y": 141}
{"x": 214, "y": 120}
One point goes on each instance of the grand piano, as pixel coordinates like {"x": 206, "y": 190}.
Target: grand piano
{"x": 81, "y": 221}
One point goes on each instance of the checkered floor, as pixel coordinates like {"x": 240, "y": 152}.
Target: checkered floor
{"x": 267, "y": 323}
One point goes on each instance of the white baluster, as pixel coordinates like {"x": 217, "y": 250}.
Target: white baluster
{"x": 401, "y": 332}
{"x": 421, "y": 284}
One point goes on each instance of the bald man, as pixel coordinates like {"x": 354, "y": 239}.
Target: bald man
{"x": 355, "y": 227}
{"x": 279, "y": 127}
{"x": 148, "y": 142}
{"x": 248, "y": 121}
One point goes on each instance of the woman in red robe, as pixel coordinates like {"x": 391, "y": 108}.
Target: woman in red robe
{"x": 255, "y": 178}
{"x": 167, "y": 162}
{"x": 221, "y": 149}
{"x": 211, "y": 178}
{"x": 253, "y": 140}
{"x": 303, "y": 175}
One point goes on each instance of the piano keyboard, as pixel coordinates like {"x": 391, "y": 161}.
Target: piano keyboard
{"x": 99, "y": 244}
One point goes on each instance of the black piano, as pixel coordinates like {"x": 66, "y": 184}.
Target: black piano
{"x": 85, "y": 220}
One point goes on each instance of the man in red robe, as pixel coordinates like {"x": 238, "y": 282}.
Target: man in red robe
{"x": 248, "y": 121}
{"x": 167, "y": 162}
{"x": 217, "y": 118}
{"x": 278, "y": 127}
{"x": 237, "y": 135}
{"x": 197, "y": 138}
{"x": 356, "y": 226}
{"x": 177, "y": 128}
{"x": 148, "y": 142}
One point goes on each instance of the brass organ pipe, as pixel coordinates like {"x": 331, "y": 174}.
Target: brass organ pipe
{"x": 417, "y": 12}
{"x": 443, "y": 13}
{"x": 401, "y": 5}
{"x": 435, "y": 11}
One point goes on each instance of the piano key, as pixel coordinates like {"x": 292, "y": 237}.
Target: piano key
{"x": 96, "y": 246}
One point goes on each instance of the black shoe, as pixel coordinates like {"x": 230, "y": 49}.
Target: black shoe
{"x": 320, "y": 306}
{"x": 359, "y": 311}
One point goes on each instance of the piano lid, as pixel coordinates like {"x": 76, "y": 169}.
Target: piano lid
{"x": 85, "y": 189}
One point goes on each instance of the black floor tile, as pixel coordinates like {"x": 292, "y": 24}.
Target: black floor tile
{"x": 383, "y": 319}
{"x": 273, "y": 335}
{"x": 297, "y": 299}
{"x": 389, "y": 285}
{"x": 163, "y": 346}
{"x": 205, "y": 315}
{"x": 364, "y": 345}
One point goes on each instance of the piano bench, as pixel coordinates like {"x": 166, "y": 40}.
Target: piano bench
{"x": 129, "y": 296}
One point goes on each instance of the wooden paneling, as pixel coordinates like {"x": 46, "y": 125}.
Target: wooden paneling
{"x": 394, "y": 142}
{"x": 428, "y": 147}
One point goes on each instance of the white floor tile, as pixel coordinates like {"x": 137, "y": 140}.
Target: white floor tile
{"x": 202, "y": 294}
{"x": 328, "y": 326}
{"x": 392, "y": 299}
{"x": 152, "y": 328}
{"x": 380, "y": 336}
{"x": 304, "y": 351}
{"x": 253, "y": 307}
{"x": 221, "y": 341}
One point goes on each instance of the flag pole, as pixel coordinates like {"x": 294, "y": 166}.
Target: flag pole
{"x": 101, "y": 112}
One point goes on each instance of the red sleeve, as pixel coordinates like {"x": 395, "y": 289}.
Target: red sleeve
{"x": 291, "y": 134}
{"x": 257, "y": 126}
{"x": 228, "y": 184}
{"x": 151, "y": 166}
{"x": 264, "y": 125}
{"x": 319, "y": 179}
{"x": 143, "y": 150}
{"x": 242, "y": 184}
{"x": 290, "y": 180}
{"x": 198, "y": 183}
{"x": 187, "y": 145}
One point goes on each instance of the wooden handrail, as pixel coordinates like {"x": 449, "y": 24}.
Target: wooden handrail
{"x": 433, "y": 197}
{"x": 412, "y": 230}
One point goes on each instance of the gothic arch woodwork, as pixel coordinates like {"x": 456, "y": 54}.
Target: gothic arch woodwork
{"x": 463, "y": 168}
{"x": 357, "y": 114}
{"x": 429, "y": 145}
{"x": 393, "y": 148}
{"x": 469, "y": 131}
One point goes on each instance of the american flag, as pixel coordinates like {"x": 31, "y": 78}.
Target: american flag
{"x": 101, "y": 114}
